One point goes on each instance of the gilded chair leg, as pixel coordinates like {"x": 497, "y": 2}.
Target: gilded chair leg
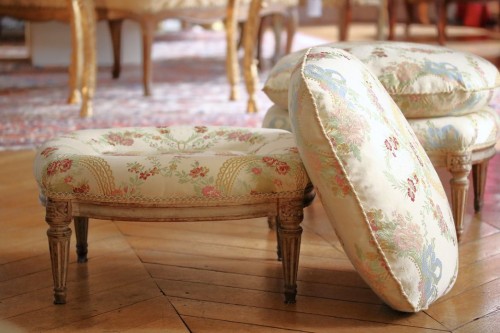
{"x": 58, "y": 216}
{"x": 89, "y": 51}
{"x": 148, "y": 27}
{"x": 479, "y": 172}
{"x": 289, "y": 235}
{"x": 81, "y": 233}
{"x": 459, "y": 166}
{"x": 76, "y": 65}
{"x": 232, "y": 67}
{"x": 249, "y": 61}
{"x": 115, "y": 29}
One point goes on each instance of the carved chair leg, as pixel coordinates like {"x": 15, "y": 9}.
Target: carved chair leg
{"x": 81, "y": 233}
{"x": 147, "y": 27}
{"x": 459, "y": 166}
{"x": 289, "y": 231}
{"x": 275, "y": 221}
{"x": 249, "y": 62}
{"x": 232, "y": 66}
{"x": 391, "y": 9}
{"x": 115, "y": 29}
{"x": 76, "y": 65}
{"x": 292, "y": 23}
{"x": 479, "y": 172}
{"x": 58, "y": 216}
{"x": 345, "y": 20}
{"x": 89, "y": 50}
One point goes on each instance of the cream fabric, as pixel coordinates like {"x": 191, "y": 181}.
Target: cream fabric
{"x": 437, "y": 135}
{"x": 424, "y": 80}
{"x": 178, "y": 164}
{"x": 379, "y": 189}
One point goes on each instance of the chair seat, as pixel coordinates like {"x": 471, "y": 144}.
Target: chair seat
{"x": 171, "y": 165}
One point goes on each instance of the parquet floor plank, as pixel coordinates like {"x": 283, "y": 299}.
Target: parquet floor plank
{"x": 285, "y": 319}
{"x": 155, "y": 312}
{"x": 486, "y": 324}
{"x": 377, "y": 313}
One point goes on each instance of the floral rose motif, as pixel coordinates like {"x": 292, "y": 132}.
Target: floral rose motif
{"x": 392, "y": 145}
{"x": 48, "y": 151}
{"x": 199, "y": 171}
{"x": 59, "y": 167}
{"x": 115, "y": 139}
{"x": 210, "y": 191}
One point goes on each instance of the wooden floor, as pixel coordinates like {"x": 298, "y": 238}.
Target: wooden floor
{"x": 221, "y": 276}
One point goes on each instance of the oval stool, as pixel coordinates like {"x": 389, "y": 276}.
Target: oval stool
{"x": 171, "y": 174}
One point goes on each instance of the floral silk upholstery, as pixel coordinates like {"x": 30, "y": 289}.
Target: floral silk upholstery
{"x": 379, "y": 189}
{"x": 438, "y": 135}
{"x": 424, "y": 80}
{"x": 178, "y": 164}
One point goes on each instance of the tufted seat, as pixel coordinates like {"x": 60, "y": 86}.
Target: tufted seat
{"x": 444, "y": 95}
{"x": 171, "y": 174}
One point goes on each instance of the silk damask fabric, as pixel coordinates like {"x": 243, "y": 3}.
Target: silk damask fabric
{"x": 424, "y": 80}
{"x": 438, "y": 135}
{"x": 379, "y": 189}
{"x": 178, "y": 164}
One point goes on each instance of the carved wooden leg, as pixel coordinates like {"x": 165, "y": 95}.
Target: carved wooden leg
{"x": 81, "y": 233}
{"x": 232, "y": 67}
{"x": 148, "y": 27}
{"x": 58, "y": 216}
{"x": 479, "y": 172}
{"x": 345, "y": 20}
{"x": 292, "y": 22}
{"x": 289, "y": 219}
{"x": 391, "y": 9}
{"x": 115, "y": 29}
{"x": 249, "y": 61}
{"x": 441, "y": 21}
{"x": 459, "y": 166}
{"x": 76, "y": 66}
{"x": 409, "y": 17}
{"x": 89, "y": 51}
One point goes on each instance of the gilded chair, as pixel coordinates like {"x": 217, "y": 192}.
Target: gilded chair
{"x": 149, "y": 13}
{"x": 441, "y": 17}
{"x": 80, "y": 14}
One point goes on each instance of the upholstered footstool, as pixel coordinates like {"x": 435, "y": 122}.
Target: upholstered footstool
{"x": 171, "y": 174}
{"x": 444, "y": 95}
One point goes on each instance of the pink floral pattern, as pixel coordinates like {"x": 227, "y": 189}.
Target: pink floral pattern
{"x": 170, "y": 164}
{"x": 383, "y": 197}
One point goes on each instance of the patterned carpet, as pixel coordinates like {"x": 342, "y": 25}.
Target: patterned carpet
{"x": 190, "y": 87}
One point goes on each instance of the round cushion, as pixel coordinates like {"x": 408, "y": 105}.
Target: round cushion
{"x": 424, "y": 80}
{"x": 178, "y": 164}
{"x": 379, "y": 188}
{"x": 438, "y": 135}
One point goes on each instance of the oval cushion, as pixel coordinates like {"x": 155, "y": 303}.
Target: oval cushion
{"x": 438, "y": 136}
{"x": 379, "y": 189}
{"x": 178, "y": 164}
{"x": 424, "y": 80}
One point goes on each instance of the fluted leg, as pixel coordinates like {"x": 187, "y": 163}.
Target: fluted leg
{"x": 58, "y": 216}
{"x": 81, "y": 233}
{"x": 115, "y": 29}
{"x": 479, "y": 172}
{"x": 289, "y": 233}
{"x": 459, "y": 166}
